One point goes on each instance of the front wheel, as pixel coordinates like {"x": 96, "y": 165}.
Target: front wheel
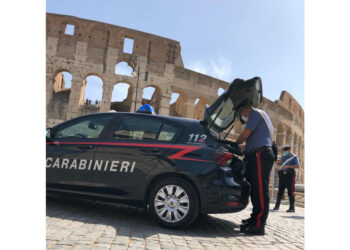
{"x": 173, "y": 203}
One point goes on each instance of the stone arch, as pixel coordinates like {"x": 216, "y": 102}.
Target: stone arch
{"x": 128, "y": 59}
{"x": 178, "y": 107}
{"x": 199, "y": 109}
{"x": 61, "y": 93}
{"x": 121, "y": 97}
{"x": 124, "y": 68}
{"x": 62, "y": 81}
{"x": 93, "y": 83}
{"x": 154, "y": 99}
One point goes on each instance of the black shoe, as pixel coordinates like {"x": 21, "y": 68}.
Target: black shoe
{"x": 244, "y": 225}
{"x": 291, "y": 210}
{"x": 246, "y": 221}
{"x": 252, "y": 229}
{"x": 276, "y": 208}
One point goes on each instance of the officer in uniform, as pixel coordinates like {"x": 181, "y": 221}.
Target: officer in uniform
{"x": 286, "y": 174}
{"x": 260, "y": 158}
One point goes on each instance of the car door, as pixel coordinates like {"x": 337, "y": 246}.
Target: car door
{"x": 70, "y": 152}
{"x": 132, "y": 152}
{"x": 222, "y": 113}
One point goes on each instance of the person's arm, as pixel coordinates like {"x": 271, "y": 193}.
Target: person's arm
{"x": 291, "y": 166}
{"x": 251, "y": 125}
{"x": 243, "y": 136}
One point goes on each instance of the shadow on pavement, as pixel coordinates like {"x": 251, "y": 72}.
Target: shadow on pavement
{"x": 129, "y": 220}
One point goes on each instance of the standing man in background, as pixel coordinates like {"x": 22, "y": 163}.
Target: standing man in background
{"x": 286, "y": 174}
{"x": 260, "y": 158}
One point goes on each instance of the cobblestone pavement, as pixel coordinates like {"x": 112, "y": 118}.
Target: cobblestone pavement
{"x": 81, "y": 224}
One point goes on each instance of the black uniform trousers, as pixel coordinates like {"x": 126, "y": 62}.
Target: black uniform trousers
{"x": 286, "y": 180}
{"x": 259, "y": 165}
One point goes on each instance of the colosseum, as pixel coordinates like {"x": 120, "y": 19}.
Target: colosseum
{"x": 84, "y": 48}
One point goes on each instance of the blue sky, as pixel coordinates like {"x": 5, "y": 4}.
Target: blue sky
{"x": 224, "y": 39}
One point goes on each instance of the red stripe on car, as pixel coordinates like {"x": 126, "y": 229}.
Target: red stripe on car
{"x": 177, "y": 156}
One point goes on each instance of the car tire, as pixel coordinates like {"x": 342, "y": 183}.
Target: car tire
{"x": 173, "y": 203}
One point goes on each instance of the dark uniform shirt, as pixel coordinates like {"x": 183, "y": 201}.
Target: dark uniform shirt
{"x": 294, "y": 161}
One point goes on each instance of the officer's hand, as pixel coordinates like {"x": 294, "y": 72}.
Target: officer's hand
{"x": 242, "y": 147}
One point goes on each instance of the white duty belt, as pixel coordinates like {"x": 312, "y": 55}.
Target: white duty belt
{"x": 263, "y": 114}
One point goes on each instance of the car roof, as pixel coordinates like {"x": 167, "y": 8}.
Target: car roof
{"x": 175, "y": 119}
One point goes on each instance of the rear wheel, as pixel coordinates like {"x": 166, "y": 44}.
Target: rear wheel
{"x": 173, "y": 203}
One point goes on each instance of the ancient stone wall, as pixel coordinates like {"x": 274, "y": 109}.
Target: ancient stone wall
{"x": 95, "y": 48}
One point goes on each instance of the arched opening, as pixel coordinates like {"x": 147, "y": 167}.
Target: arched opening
{"x": 91, "y": 91}
{"x": 220, "y": 91}
{"x": 174, "y": 97}
{"x": 63, "y": 81}
{"x": 177, "y": 105}
{"x": 123, "y": 68}
{"x": 152, "y": 95}
{"x": 199, "y": 109}
{"x": 61, "y": 91}
{"x": 121, "y": 97}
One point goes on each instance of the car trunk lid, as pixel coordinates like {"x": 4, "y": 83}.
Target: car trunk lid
{"x": 223, "y": 112}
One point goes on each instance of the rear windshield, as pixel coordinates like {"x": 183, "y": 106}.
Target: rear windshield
{"x": 226, "y": 115}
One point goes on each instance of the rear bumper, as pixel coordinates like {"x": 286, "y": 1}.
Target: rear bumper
{"x": 232, "y": 196}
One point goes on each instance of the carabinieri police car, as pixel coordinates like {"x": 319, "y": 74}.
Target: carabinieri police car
{"x": 173, "y": 167}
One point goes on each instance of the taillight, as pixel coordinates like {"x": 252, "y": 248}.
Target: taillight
{"x": 222, "y": 159}
{"x": 232, "y": 204}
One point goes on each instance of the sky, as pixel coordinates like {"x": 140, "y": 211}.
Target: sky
{"x": 224, "y": 39}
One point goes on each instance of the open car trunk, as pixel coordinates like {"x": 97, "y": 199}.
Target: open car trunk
{"x": 223, "y": 112}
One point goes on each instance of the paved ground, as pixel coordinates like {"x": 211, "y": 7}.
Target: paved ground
{"x": 81, "y": 224}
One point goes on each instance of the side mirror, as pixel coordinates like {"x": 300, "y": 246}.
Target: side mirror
{"x": 48, "y": 133}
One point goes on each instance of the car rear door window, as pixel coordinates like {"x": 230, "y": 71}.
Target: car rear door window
{"x": 137, "y": 128}
{"x": 167, "y": 133}
{"x": 87, "y": 127}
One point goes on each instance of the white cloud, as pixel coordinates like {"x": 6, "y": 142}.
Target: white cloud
{"x": 198, "y": 66}
{"x": 221, "y": 68}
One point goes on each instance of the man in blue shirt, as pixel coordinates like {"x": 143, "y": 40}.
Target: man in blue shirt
{"x": 260, "y": 158}
{"x": 286, "y": 174}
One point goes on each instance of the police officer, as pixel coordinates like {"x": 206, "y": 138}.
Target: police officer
{"x": 286, "y": 174}
{"x": 260, "y": 158}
